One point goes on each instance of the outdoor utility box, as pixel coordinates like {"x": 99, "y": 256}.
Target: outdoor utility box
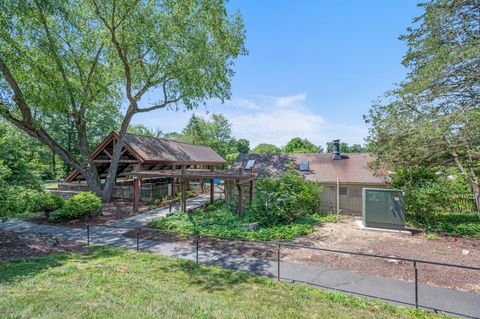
{"x": 383, "y": 208}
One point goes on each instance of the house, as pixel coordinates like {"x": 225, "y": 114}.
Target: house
{"x": 145, "y": 153}
{"x": 342, "y": 175}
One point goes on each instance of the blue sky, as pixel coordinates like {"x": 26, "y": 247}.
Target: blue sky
{"x": 313, "y": 69}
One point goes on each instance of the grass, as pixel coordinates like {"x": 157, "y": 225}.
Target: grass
{"x": 106, "y": 283}
{"x": 53, "y": 185}
{"x": 222, "y": 221}
{"x": 453, "y": 224}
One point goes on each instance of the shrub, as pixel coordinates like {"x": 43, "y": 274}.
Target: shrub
{"x": 81, "y": 205}
{"x": 285, "y": 200}
{"x": 16, "y": 201}
{"x": 46, "y": 202}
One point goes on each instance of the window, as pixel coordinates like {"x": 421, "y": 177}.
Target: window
{"x": 304, "y": 166}
{"x": 250, "y": 164}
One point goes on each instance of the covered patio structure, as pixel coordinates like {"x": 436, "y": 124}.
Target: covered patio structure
{"x": 184, "y": 175}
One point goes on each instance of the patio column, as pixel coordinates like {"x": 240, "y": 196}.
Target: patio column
{"x": 240, "y": 199}
{"x": 212, "y": 188}
{"x": 250, "y": 193}
{"x": 184, "y": 190}
{"x": 137, "y": 187}
{"x": 174, "y": 183}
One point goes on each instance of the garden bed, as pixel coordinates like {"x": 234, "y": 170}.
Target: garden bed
{"x": 14, "y": 246}
{"x": 112, "y": 211}
{"x": 224, "y": 222}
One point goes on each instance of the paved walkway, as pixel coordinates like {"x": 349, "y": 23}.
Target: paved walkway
{"x": 395, "y": 291}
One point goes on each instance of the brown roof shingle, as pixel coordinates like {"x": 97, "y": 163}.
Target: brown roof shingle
{"x": 353, "y": 168}
{"x": 154, "y": 149}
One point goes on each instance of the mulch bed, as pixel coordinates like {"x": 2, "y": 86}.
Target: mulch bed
{"x": 112, "y": 211}
{"x": 13, "y": 246}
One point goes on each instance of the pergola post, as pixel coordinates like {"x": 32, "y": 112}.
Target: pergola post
{"x": 137, "y": 187}
{"x": 240, "y": 199}
{"x": 250, "y": 193}
{"x": 184, "y": 191}
{"x": 212, "y": 188}
{"x": 174, "y": 183}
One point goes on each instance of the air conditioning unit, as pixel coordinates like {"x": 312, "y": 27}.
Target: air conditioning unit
{"x": 383, "y": 208}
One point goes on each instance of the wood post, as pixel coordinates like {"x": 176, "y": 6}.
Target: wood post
{"x": 240, "y": 200}
{"x": 212, "y": 188}
{"x": 137, "y": 187}
{"x": 184, "y": 190}
{"x": 250, "y": 193}
{"x": 174, "y": 183}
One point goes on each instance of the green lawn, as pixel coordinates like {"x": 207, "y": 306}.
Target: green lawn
{"x": 455, "y": 224}
{"x": 106, "y": 283}
{"x": 222, "y": 221}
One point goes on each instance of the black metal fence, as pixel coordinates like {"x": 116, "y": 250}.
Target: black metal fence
{"x": 197, "y": 238}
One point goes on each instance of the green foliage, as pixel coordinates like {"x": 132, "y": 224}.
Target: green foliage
{"x": 298, "y": 145}
{"x": 453, "y": 224}
{"x": 46, "y": 202}
{"x": 266, "y": 149}
{"x": 81, "y": 205}
{"x": 285, "y": 200}
{"x": 346, "y": 148}
{"x": 243, "y": 146}
{"x": 432, "y": 117}
{"x": 17, "y": 201}
{"x": 224, "y": 221}
{"x": 141, "y": 129}
{"x": 18, "y": 164}
{"x": 428, "y": 190}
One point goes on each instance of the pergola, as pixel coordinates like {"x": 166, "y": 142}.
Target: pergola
{"x": 184, "y": 175}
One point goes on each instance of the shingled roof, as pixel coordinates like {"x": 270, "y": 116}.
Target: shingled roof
{"x": 352, "y": 168}
{"x": 152, "y": 152}
{"x": 152, "y": 149}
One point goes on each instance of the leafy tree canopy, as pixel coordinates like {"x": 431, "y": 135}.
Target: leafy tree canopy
{"x": 433, "y": 116}
{"x": 298, "y": 145}
{"x": 80, "y": 60}
{"x": 265, "y": 148}
{"x": 346, "y": 148}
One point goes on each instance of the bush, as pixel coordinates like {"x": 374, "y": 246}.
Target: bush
{"x": 81, "y": 205}
{"x": 46, "y": 202}
{"x": 285, "y": 200}
{"x": 17, "y": 201}
{"x": 224, "y": 222}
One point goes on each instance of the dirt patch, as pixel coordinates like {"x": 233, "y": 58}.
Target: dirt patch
{"x": 14, "y": 246}
{"x": 346, "y": 235}
{"x": 112, "y": 211}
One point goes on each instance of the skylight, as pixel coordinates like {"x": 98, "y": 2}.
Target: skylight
{"x": 250, "y": 164}
{"x": 304, "y": 165}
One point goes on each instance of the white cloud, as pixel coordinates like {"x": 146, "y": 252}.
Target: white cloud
{"x": 243, "y": 103}
{"x": 290, "y": 100}
{"x": 265, "y": 119}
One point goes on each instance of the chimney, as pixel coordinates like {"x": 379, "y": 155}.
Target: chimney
{"x": 336, "y": 150}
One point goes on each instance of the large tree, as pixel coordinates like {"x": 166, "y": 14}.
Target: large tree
{"x": 432, "y": 119}
{"x": 298, "y": 145}
{"x": 77, "y": 59}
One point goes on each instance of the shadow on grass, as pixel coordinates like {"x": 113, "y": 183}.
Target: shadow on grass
{"x": 20, "y": 268}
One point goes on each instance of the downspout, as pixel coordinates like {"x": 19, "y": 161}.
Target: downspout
{"x": 338, "y": 195}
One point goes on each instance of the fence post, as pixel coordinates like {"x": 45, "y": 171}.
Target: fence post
{"x": 278, "y": 262}
{"x": 196, "y": 244}
{"x": 416, "y": 283}
{"x": 138, "y": 235}
{"x": 88, "y": 235}
{"x": 170, "y": 207}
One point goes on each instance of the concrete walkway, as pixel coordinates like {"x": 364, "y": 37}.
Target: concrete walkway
{"x": 395, "y": 291}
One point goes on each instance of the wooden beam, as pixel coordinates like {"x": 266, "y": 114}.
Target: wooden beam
{"x": 212, "y": 188}
{"x": 107, "y": 153}
{"x": 250, "y": 193}
{"x": 120, "y": 162}
{"x": 240, "y": 200}
{"x": 183, "y": 185}
{"x": 137, "y": 186}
